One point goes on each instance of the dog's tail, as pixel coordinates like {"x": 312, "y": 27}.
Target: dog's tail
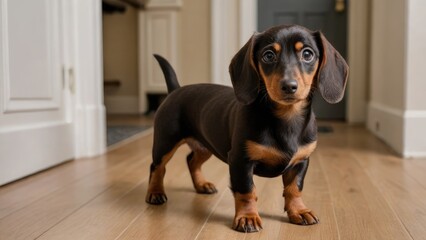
{"x": 169, "y": 73}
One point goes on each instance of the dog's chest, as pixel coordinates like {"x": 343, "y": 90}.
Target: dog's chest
{"x": 274, "y": 156}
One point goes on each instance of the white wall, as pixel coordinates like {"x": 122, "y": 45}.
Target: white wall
{"x": 359, "y": 16}
{"x": 397, "y": 109}
{"x": 415, "y": 88}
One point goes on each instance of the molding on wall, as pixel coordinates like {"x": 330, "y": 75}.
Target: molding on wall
{"x": 248, "y": 20}
{"x": 217, "y": 41}
{"x": 90, "y": 118}
{"x": 90, "y": 131}
{"x": 402, "y": 130}
{"x": 15, "y": 163}
{"x": 387, "y": 124}
{"x": 49, "y": 100}
{"x": 163, "y": 4}
{"x": 221, "y": 38}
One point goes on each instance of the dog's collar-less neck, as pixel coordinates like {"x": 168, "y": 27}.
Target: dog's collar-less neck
{"x": 288, "y": 113}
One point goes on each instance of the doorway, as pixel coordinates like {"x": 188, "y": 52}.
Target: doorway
{"x": 328, "y": 16}
{"x": 121, "y": 80}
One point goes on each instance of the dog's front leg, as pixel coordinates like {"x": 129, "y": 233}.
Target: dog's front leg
{"x": 246, "y": 218}
{"x": 296, "y": 210}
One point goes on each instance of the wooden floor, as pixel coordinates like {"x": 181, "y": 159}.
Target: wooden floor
{"x": 358, "y": 187}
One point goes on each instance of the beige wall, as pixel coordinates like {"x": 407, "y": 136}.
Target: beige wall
{"x": 194, "y": 42}
{"x": 120, "y": 57}
{"x": 388, "y": 52}
{"x": 120, "y": 48}
{"x": 416, "y": 52}
{"x": 359, "y": 17}
{"x": 120, "y": 51}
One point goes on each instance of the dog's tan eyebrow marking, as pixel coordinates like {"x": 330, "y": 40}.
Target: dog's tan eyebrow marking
{"x": 277, "y": 47}
{"x": 298, "y": 46}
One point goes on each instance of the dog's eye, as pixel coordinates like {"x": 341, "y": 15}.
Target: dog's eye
{"x": 269, "y": 57}
{"x": 307, "y": 55}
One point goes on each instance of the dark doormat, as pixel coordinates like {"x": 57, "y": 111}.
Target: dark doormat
{"x": 325, "y": 129}
{"x": 117, "y": 134}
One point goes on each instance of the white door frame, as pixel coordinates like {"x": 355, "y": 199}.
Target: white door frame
{"x": 85, "y": 75}
{"x": 358, "y": 39}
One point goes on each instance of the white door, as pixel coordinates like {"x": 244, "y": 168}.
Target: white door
{"x": 36, "y": 130}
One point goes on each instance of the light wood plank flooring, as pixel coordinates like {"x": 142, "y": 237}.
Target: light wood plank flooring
{"x": 359, "y": 188}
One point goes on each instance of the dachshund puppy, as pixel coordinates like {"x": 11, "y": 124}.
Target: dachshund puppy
{"x": 264, "y": 125}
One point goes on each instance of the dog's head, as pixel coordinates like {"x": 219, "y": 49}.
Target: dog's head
{"x": 290, "y": 61}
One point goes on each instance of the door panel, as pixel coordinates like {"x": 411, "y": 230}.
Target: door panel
{"x": 34, "y": 130}
{"x": 315, "y": 15}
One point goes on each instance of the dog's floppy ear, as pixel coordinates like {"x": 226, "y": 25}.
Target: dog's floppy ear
{"x": 244, "y": 75}
{"x": 333, "y": 71}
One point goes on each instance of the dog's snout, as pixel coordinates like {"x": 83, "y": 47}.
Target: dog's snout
{"x": 289, "y": 86}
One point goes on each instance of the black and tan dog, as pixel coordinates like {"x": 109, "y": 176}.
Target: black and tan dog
{"x": 264, "y": 126}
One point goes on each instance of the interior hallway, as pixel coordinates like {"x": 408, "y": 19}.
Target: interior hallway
{"x": 358, "y": 187}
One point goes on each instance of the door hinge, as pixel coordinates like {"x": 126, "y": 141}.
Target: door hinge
{"x": 68, "y": 73}
{"x": 71, "y": 80}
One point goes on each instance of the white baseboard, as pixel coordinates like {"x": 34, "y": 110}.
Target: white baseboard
{"x": 414, "y": 135}
{"x": 122, "y": 104}
{"x": 45, "y": 146}
{"x": 404, "y": 131}
{"x": 90, "y": 134}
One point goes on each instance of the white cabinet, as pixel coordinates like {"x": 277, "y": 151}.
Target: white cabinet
{"x": 157, "y": 34}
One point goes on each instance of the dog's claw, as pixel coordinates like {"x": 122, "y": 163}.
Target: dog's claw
{"x": 156, "y": 198}
{"x": 207, "y": 188}
{"x": 248, "y": 224}
{"x": 305, "y": 217}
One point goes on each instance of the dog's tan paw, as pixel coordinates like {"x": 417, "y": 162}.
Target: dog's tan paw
{"x": 247, "y": 223}
{"x": 206, "y": 188}
{"x": 303, "y": 217}
{"x": 156, "y": 198}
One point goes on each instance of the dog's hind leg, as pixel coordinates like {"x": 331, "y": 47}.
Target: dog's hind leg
{"x": 195, "y": 160}
{"x": 162, "y": 152}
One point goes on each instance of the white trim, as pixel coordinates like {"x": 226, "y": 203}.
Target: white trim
{"x": 15, "y": 163}
{"x": 398, "y": 112}
{"x": 386, "y": 109}
{"x": 387, "y": 124}
{"x": 90, "y": 118}
{"x": 30, "y": 127}
{"x": 415, "y": 114}
{"x": 51, "y": 101}
{"x": 163, "y": 4}
{"x": 143, "y": 101}
{"x": 216, "y": 41}
{"x": 414, "y": 154}
{"x": 248, "y": 20}
{"x": 90, "y": 131}
{"x": 224, "y": 41}
{"x": 403, "y": 130}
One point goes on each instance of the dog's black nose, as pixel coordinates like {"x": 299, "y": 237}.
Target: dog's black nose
{"x": 289, "y": 86}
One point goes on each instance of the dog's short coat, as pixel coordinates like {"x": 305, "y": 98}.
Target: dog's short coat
{"x": 264, "y": 126}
